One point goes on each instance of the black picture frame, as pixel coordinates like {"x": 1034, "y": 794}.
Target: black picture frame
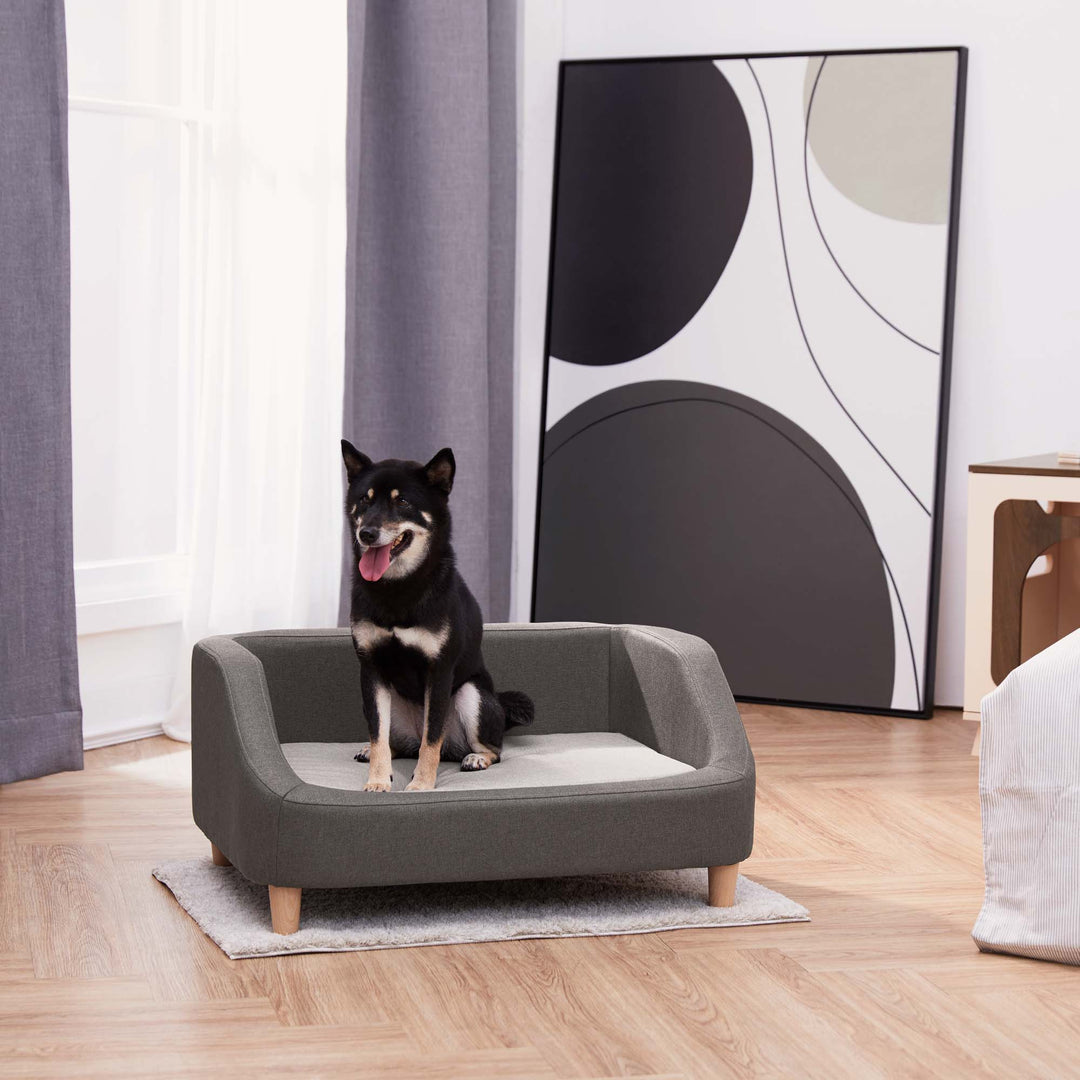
{"x": 948, "y": 323}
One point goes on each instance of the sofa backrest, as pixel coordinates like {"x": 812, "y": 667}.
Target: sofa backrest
{"x": 314, "y": 683}
{"x": 314, "y": 678}
{"x": 564, "y": 668}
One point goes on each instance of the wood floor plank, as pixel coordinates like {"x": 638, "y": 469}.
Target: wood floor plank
{"x": 323, "y": 988}
{"x": 448, "y": 997}
{"x": 771, "y": 1025}
{"x": 562, "y": 994}
{"x": 233, "y": 1038}
{"x": 98, "y": 1027}
{"x": 993, "y": 973}
{"x": 14, "y": 966}
{"x": 32, "y": 1002}
{"x": 873, "y": 1034}
{"x": 938, "y": 1028}
{"x": 1043, "y": 1023}
{"x": 182, "y": 963}
{"x": 73, "y": 912}
{"x": 12, "y": 932}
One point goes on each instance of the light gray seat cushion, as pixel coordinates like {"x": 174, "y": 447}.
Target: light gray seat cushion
{"x": 580, "y": 757}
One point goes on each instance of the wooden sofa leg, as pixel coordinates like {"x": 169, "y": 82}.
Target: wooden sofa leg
{"x": 722, "y": 885}
{"x": 217, "y": 855}
{"x": 284, "y": 909}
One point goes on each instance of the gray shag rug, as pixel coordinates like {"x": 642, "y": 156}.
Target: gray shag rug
{"x": 235, "y": 912}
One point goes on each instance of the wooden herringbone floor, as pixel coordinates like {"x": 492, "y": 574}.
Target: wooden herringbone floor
{"x": 872, "y": 823}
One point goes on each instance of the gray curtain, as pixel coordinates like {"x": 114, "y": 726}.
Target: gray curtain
{"x": 40, "y": 714}
{"x": 429, "y": 335}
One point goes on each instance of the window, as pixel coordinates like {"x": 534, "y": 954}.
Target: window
{"x": 138, "y": 133}
{"x": 207, "y": 208}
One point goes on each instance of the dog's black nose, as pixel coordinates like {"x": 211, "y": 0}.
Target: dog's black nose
{"x": 368, "y": 535}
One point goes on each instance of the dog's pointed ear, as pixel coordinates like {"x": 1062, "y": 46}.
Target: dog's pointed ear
{"x": 355, "y": 462}
{"x": 440, "y": 470}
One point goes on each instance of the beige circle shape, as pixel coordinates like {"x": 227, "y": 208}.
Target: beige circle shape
{"x": 881, "y": 128}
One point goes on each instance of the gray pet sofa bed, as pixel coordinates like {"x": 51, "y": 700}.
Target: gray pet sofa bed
{"x": 637, "y": 761}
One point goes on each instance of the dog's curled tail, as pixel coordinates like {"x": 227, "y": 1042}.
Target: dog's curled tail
{"x": 517, "y": 706}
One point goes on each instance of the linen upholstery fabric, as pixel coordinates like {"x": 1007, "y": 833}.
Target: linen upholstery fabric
{"x": 659, "y": 687}
{"x": 430, "y": 188}
{"x": 1029, "y": 786}
{"x": 40, "y": 711}
{"x": 578, "y": 757}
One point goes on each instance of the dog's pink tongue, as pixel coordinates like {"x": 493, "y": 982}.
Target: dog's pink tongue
{"x": 374, "y": 561}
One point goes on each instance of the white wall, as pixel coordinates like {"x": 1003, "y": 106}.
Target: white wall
{"x": 1016, "y": 355}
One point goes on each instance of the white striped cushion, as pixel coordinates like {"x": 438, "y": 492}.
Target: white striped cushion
{"x": 1029, "y": 786}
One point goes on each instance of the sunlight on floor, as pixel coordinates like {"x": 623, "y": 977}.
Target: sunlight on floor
{"x": 171, "y": 770}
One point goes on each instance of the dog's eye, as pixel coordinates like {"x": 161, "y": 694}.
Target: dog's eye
{"x": 404, "y": 504}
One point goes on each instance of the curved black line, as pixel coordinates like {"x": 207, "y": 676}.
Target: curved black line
{"x": 813, "y": 211}
{"x": 907, "y": 629}
{"x": 859, "y": 512}
{"x": 798, "y": 316}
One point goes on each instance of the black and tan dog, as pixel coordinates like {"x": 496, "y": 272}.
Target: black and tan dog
{"x": 416, "y": 626}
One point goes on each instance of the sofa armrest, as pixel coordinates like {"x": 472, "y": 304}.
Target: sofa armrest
{"x": 239, "y": 775}
{"x": 669, "y": 692}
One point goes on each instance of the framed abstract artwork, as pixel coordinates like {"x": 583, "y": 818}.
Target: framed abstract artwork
{"x": 746, "y": 381}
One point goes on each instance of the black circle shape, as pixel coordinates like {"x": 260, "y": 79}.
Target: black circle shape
{"x": 654, "y": 177}
{"x": 685, "y": 505}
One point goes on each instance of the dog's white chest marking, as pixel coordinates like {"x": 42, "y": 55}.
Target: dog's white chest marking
{"x": 367, "y": 635}
{"x": 427, "y": 642}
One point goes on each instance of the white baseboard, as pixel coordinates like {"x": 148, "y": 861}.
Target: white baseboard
{"x": 125, "y": 733}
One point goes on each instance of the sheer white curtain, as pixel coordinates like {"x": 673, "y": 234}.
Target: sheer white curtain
{"x": 266, "y": 501}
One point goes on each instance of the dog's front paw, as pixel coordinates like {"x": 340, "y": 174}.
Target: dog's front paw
{"x": 420, "y": 785}
{"x": 378, "y": 785}
{"x": 365, "y": 752}
{"x": 475, "y": 762}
